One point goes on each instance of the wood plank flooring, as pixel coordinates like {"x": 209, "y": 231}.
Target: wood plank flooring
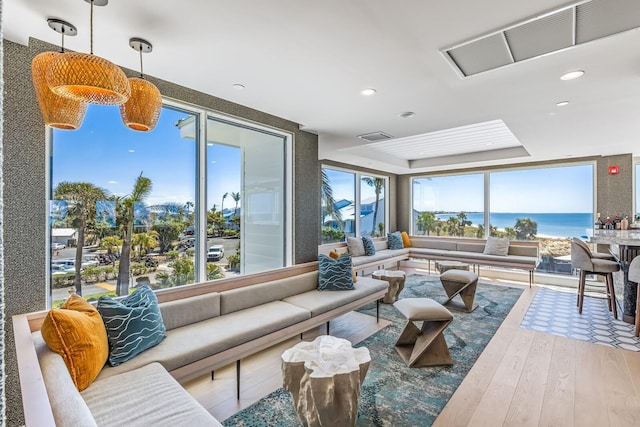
{"x": 523, "y": 378}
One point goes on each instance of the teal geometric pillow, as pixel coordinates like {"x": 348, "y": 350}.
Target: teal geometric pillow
{"x": 369, "y": 247}
{"x": 134, "y": 324}
{"x": 335, "y": 274}
{"x": 394, "y": 240}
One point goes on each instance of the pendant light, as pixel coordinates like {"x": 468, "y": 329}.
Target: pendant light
{"x": 142, "y": 110}
{"x": 86, "y": 77}
{"x": 57, "y": 111}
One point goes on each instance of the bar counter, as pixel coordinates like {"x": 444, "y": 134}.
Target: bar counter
{"x": 624, "y": 245}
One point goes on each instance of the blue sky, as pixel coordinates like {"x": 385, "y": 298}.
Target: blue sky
{"x": 106, "y": 153}
{"x": 547, "y": 190}
{"x": 342, "y": 185}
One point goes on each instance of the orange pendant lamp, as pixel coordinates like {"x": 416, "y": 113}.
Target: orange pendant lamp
{"x": 88, "y": 78}
{"x": 142, "y": 111}
{"x": 57, "y": 111}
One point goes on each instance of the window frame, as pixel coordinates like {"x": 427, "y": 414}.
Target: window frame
{"x": 199, "y": 176}
{"x": 357, "y": 194}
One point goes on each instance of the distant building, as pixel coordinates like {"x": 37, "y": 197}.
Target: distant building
{"x": 66, "y": 236}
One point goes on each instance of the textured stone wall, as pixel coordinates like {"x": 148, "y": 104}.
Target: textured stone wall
{"x": 25, "y": 213}
{"x": 615, "y": 192}
{"x": 2, "y": 318}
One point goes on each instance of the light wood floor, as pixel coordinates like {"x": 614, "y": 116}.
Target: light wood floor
{"x": 523, "y": 378}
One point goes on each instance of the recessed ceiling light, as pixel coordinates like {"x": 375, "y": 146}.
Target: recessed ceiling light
{"x": 407, "y": 114}
{"x": 238, "y": 86}
{"x": 562, "y": 103}
{"x": 572, "y": 75}
{"x": 368, "y": 92}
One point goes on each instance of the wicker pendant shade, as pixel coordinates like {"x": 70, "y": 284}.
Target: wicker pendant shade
{"x": 88, "y": 78}
{"x": 142, "y": 110}
{"x": 57, "y": 111}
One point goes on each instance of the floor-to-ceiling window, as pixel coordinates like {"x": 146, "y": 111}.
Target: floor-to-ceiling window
{"x": 338, "y": 205}
{"x": 178, "y": 205}
{"x": 353, "y": 203}
{"x": 547, "y": 204}
{"x": 449, "y": 205}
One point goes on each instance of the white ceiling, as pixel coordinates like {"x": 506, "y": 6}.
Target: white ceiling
{"x": 308, "y": 61}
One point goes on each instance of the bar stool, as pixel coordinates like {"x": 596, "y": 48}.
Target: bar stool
{"x": 582, "y": 258}
{"x": 600, "y": 255}
{"x": 634, "y": 276}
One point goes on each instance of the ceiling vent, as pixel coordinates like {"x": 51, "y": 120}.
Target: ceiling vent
{"x": 375, "y": 136}
{"x": 550, "y": 32}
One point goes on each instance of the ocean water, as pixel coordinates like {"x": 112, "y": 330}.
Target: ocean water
{"x": 549, "y": 224}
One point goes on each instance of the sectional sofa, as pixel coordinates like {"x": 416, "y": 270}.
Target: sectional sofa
{"x": 524, "y": 255}
{"x": 209, "y": 325}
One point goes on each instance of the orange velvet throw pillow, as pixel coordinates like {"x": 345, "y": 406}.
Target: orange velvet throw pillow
{"x": 76, "y": 332}
{"x": 405, "y": 239}
{"x": 336, "y": 255}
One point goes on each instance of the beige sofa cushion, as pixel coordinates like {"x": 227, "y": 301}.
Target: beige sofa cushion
{"x": 318, "y": 302}
{"x": 147, "y": 396}
{"x": 190, "y": 310}
{"x": 250, "y": 296}
{"x": 67, "y": 404}
{"x": 191, "y": 343}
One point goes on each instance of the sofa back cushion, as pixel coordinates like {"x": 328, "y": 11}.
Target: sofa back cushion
{"x": 470, "y": 247}
{"x": 380, "y": 245}
{"x": 434, "y": 244}
{"x": 531, "y": 251}
{"x": 250, "y": 296}
{"x": 186, "y": 311}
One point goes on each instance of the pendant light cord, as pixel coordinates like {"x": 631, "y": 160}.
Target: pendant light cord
{"x": 91, "y": 28}
{"x": 62, "y": 42}
{"x": 141, "y": 76}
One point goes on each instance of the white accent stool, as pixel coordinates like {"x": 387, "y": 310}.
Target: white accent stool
{"x": 424, "y": 346}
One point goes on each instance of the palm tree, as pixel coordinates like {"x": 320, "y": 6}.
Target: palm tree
{"x": 378, "y": 185}
{"x": 236, "y": 198}
{"x": 224, "y": 196}
{"x": 125, "y": 209}
{"x": 427, "y": 222}
{"x": 144, "y": 242}
{"x": 329, "y": 201}
{"x": 525, "y": 229}
{"x": 81, "y": 200}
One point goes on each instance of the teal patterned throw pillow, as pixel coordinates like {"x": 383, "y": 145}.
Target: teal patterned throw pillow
{"x": 369, "y": 247}
{"x": 134, "y": 324}
{"x": 335, "y": 274}
{"x": 394, "y": 240}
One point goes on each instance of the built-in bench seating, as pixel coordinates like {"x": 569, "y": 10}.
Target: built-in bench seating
{"x": 209, "y": 325}
{"x": 524, "y": 255}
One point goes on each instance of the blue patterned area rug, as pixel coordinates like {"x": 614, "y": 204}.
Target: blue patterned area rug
{"x": 392, "y": 393}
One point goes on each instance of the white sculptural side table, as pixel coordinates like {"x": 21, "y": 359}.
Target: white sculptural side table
{"x": 324, "y": 378}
